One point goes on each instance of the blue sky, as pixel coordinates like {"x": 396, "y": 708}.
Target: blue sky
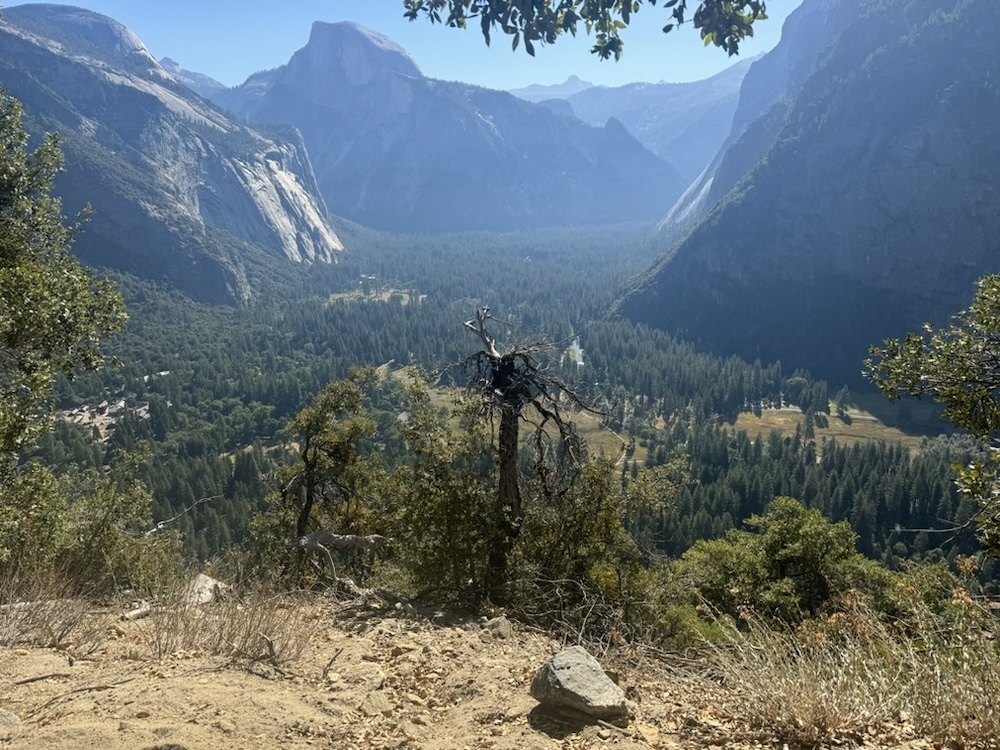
{"x": 230, "y": 39}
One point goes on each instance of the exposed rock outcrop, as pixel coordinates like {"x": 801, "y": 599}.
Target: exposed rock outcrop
{"x": 176, "y": 186}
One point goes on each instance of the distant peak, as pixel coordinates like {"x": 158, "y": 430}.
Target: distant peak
{"x": 346, "y": 41}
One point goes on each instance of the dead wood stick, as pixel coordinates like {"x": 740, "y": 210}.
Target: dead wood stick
{"x": 39, "y": 678}
{"x": 326, "y": 669}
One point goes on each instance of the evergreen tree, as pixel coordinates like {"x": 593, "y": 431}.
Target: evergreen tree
{"x": 53, "y": 312}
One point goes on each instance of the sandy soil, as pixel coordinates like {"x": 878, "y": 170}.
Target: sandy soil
{"x": 366, "y": 678}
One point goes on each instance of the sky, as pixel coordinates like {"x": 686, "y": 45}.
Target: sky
{"x": 231, "y": 39}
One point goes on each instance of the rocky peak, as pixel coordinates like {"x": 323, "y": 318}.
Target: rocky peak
{"x": 353, "y": 53}
{"x": 82, "y": 32}
{"x": 179, "y": 190}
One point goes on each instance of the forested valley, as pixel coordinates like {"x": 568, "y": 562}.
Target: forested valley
{"x": 297, "y": 369}
{"x": 211, "y": 390}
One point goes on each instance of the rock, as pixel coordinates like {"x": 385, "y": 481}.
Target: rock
{"x": 500, "y": 627}
{"x": 574, "y": 680}
{"x": 403, "y": 648}
{"x": 204, "y": 589}
{"x": 376, "y": 703}
{"x": 8, "y": 721}
{"x": 225, "y": 726}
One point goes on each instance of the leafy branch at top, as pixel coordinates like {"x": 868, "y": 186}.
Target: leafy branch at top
{"x": 724, "y": 23}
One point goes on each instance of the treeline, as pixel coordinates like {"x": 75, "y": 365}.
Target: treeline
{"x": 900, "y": 503}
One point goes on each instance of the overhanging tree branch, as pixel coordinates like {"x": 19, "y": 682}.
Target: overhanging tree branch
{"x": 724, "y": 23}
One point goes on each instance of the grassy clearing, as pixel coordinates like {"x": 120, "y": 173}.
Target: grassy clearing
{"x": 385, "y": 295}
{"x": 600, "y": 440}
{"x": 871, "y": 418}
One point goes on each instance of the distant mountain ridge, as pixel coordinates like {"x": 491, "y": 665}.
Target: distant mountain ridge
{"x": 770, "y": 83}
{"x": 198, "y": 82}
{"x": 394, "y": 150}
{"x": 538, "y": 92}
{"x": 180, "y": 192}
{"x": 862, "y": 196}
{"x": 684, "y": 124}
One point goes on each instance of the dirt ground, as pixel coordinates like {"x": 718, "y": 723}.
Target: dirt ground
{"x": 366, "y": 678}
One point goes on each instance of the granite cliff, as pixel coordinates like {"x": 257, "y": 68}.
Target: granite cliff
{"x": 180, "y": 192}
{"x": 862, "y": 204}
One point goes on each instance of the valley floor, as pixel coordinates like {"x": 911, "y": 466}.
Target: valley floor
{"x": 365, "y": 678}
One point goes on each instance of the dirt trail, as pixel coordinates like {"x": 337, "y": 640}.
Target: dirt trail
{"x": 366, "y": 679}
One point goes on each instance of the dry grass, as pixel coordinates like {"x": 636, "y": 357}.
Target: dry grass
{"x": 860, "y": 427}
{"x": 42, "y": 613}
{"x": 871, "y": 417}
{"x": 856, "y": 677}
{"x": 386, "y": 295}
{"x": 274, "y": 629}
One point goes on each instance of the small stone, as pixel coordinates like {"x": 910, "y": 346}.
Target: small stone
{"x": 410, "y": 730}
{"x": 225, "y": 726}
{"x": 376, "y": 703}
{"x": 403, "y": 648}
{"x": 9, "y": 720}
{"x": 499, "y": 627}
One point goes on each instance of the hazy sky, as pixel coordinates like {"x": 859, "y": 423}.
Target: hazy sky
{"x": 230, "y": 39}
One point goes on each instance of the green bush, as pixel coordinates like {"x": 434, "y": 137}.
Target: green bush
{"x": 791, "y": 566}
{"x": 90, "y": 530}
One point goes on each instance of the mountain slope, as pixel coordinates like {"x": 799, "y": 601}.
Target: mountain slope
{"x": 684, "y": 124}
{"x": 873, "y": 208}
{"x": 394, "y": 150}
{"x": 179, "y": 191}
{"x": 770, "y": 83}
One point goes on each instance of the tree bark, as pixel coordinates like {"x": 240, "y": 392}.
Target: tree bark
{"x": 509, "y": 504}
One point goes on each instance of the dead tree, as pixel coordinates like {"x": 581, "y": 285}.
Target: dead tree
{"x": 507, "y": 381}
{"x": 324, "y": 541}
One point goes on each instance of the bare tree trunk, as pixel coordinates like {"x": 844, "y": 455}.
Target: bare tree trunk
{"x": 309, "y": 474}
{"x": 509, "y": 505}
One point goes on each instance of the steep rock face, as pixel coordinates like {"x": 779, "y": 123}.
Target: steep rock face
{"x": 684, "y": 124}
{"x": 874, "y": 207}
{"x": 176, "y": 187}
{"x": 394, "y": 150}
{"x": 769, "y": 84}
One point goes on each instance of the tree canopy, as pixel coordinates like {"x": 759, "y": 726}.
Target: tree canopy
{"x": 53, "y": 312}
{"x": 724, "y": 23}
{"x": 958, "y": 366}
